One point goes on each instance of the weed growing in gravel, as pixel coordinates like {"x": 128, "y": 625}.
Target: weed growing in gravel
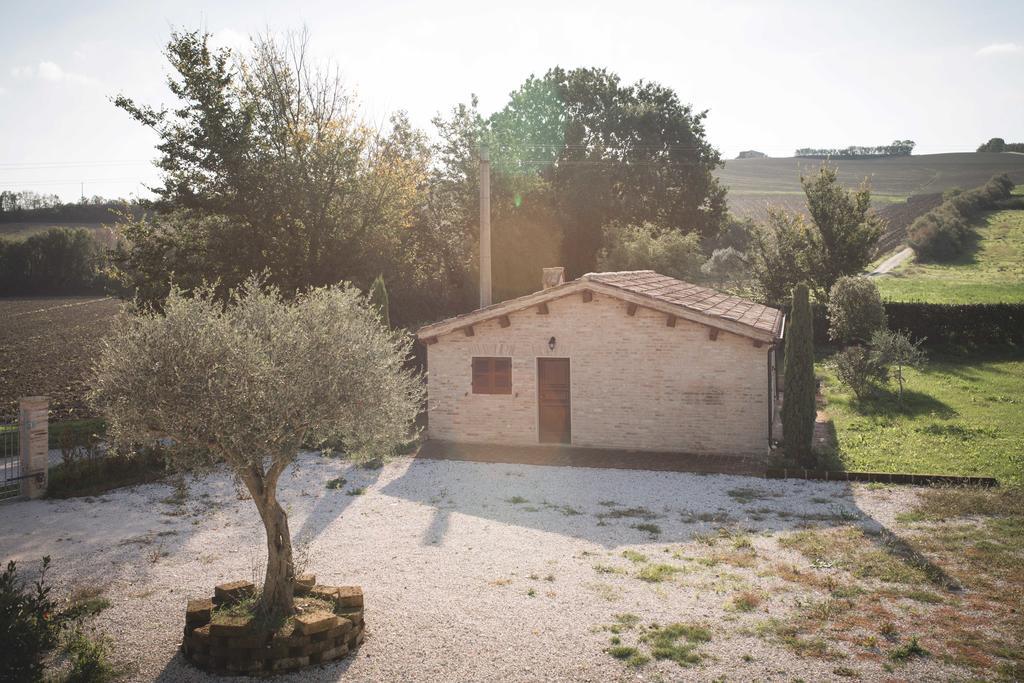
{"x": 608, "y": 569}
{"x": 676, "y": 642}
{"x": 656, "y": 573}
{"x": 747, "y": 601}
{"x": 516, "y": 500}
{"x": 628, "y": 654}
{"x": 531, "y": 593}
{"x": 845, "y": 671}
{"x": 652, "y": 529}
{"x": 908, "y": 651}
{"x": 634, "y": 512}
{"x": 356, "y": 491}
{"x": 337, "y": 483}
{"x": 748, "y": 494}
{"x": 634, "y": 556}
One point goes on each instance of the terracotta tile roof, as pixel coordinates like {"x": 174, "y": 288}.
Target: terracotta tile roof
{"x": 701, "y": 303}
{"x": 694, "y": 297}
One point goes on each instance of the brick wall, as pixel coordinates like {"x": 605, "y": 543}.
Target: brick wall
{"x": 636, "y": 383}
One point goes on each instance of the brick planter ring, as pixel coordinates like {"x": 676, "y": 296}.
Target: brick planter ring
{"x": 235, "y": 646}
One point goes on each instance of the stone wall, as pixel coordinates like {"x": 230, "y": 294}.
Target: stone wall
{"x": 636, "y": 383}
{"x": 237, "y": 645}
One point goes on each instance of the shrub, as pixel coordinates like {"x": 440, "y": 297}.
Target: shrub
{"x": 798, "y": 406}
{"x": 855, "y": 309}
{"x": 859, "y": 369}
{"x": 29, "y": 624}
{"x": 648, "y": 246}
{"x": 943, "y": 233}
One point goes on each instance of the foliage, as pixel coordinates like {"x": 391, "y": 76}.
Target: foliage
{"x": 798, "y": 407}
{"x": 379, "y": 299}
{"x": 57, "y": 261}
{"x": 855, "y": 309}
{"x": 266, "y": 169}
{"x": 846, "y": 229}
{"x": 859, "y": 368}
{"x": 899, "y": 148}
{"x": 959, "y": 324}
{"x": 1000, "y": 145}
{"x": 963, "y": 417}
{"x": 944, "y": 232}
{"x": 779, "y": 256}
{"x": 650, "y": 247}
{"x": 94, "y": 472}
{"x": 610, "y": 152}
{"x": 89, "y": 659}
{"x": 248, "y": 383}
{"x": 725, "y": 265}
{"x": 899, "y": 350}
{"x": 30, "y": 624}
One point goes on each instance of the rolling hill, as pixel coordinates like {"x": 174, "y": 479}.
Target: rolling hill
{"x": 755, "y": 183}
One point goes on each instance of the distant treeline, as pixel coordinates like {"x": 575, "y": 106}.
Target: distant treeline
{"x": 899, "y": 148}
{"x": 1001, "y": 145}
{"x": 57, "y": 261}
{"x": 944, "y": 232}
{"x": 32, "y": 207}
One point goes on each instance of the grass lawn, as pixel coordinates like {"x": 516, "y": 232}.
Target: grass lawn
{"x": 962, "y": 415}
{"x": 991, "y": 272}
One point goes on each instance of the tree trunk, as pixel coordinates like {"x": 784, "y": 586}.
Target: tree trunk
{"x": 279, "y": 584}
{"x": 279, "y": 581}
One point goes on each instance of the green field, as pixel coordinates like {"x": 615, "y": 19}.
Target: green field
{"x": 753, "y": 183}
{"x": 962, "y": 415}
{"x": 991, "y": 271}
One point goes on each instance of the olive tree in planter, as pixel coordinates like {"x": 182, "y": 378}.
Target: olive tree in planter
{"x": 248, "y": 382}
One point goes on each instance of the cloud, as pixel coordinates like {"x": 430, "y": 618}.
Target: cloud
{"x": 1000, "y": 49}
{"x": 52, "y": 72}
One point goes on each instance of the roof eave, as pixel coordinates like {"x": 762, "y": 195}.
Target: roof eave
{"x": 521, "y": 303}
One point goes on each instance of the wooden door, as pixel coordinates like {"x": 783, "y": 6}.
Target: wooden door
{"x": 553, "y": 400}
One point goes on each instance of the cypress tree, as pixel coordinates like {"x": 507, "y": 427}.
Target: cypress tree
{"x": 379, "y": 298}
{"x": 798, "y": 406}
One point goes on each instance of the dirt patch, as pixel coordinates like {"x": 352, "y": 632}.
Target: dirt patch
{"x": 47, "y": 346}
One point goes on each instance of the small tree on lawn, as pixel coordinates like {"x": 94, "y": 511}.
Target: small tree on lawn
{"x": 249, "y": 383}
{"x": 855, "y": 309}
{"x": 897, "y": 350}
{"x": 798, "y": 405}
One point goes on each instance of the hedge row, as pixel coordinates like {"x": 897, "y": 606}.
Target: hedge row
{"x": 943, "y": 233}
{"x": 57, "y": 261}
{"x": 945, "y": 324}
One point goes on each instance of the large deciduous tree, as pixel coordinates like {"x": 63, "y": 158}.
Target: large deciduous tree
{"x": 250, "y": 382}
{"x": 582, "y": 150}
{"x": 266, "y": 167}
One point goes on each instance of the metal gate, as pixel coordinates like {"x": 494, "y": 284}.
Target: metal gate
{"x": 10, "y": 461}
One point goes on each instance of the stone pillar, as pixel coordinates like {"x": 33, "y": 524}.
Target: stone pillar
{"x": 34, "y": 436}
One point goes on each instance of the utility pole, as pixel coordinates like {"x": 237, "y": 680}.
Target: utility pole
{"x": 485, "y": 226}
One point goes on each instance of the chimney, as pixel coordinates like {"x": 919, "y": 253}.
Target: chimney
{"x": 553, "y": 277}
{"x": 485, "y": 227}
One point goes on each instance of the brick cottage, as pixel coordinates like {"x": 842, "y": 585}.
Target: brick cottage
{"x": 625, "y": 360}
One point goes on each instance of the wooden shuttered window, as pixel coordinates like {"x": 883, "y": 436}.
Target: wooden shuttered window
{"x": 492, "y": 375}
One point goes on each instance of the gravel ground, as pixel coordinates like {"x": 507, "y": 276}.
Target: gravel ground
{"x": 471, "y": 571}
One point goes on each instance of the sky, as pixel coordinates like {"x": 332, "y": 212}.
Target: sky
{"x": 774, "y": 76}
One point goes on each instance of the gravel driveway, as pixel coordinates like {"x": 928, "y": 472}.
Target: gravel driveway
{"x": 471, "y": 571}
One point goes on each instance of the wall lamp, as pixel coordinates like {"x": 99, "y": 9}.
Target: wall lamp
{"x": 551, "y": 344}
